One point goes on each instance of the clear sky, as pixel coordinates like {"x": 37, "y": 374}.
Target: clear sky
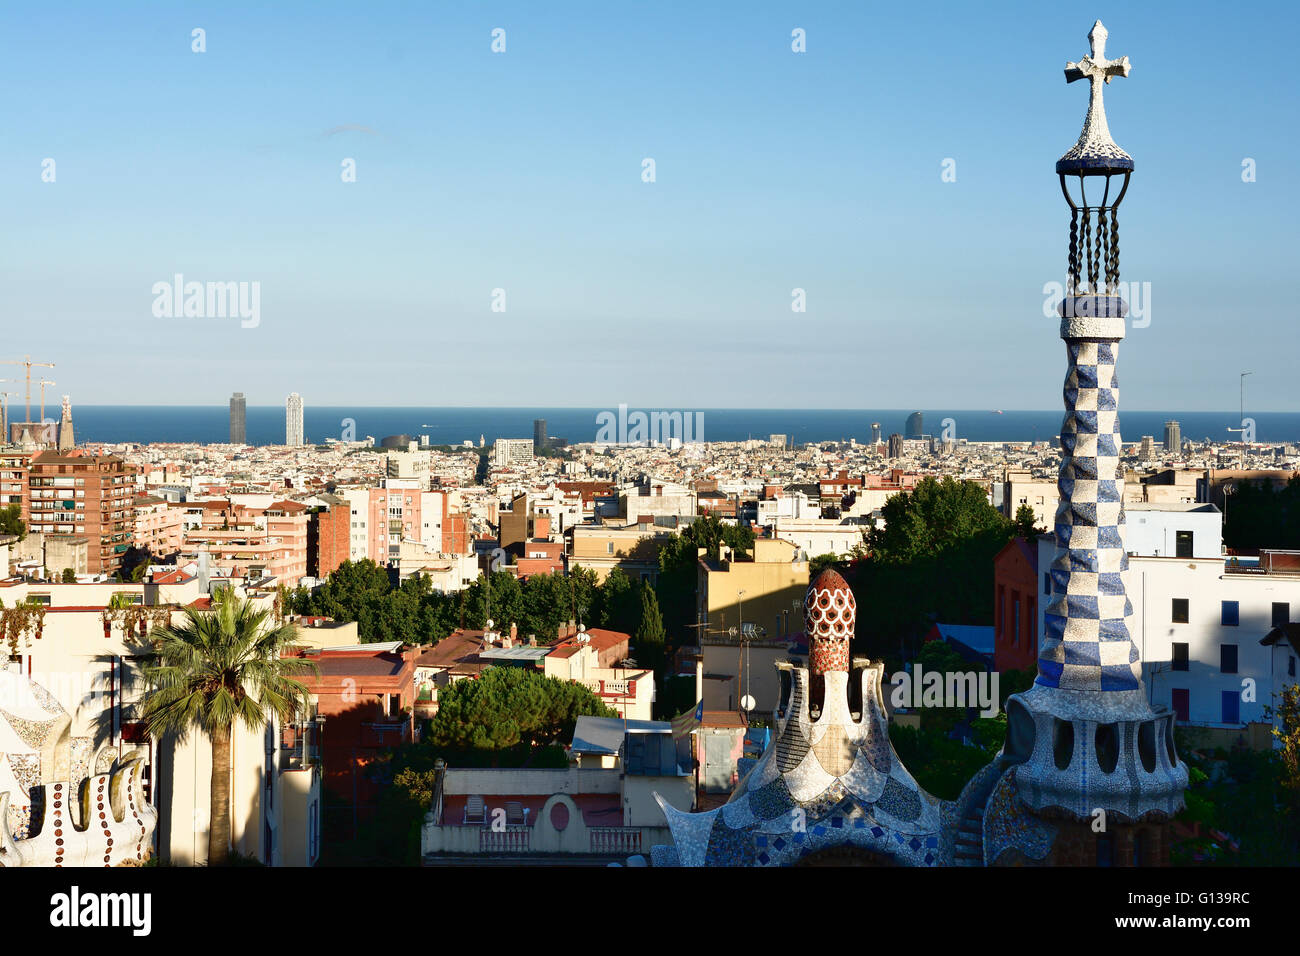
{"x": 522, "y": 171}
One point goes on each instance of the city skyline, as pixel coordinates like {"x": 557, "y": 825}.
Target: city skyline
{"x": 775, "y": 171}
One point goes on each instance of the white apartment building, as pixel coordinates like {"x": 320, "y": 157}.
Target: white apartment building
{"x": 508, "y": 451}
{"x": 1199, "y": 618}
{"x": 816, "y": 536}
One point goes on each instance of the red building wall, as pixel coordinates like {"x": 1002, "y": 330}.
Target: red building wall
{"x": 333, "y": 542}
{"x": 1015, "y": 610}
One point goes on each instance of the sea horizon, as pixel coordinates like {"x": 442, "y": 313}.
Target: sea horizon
{"x": 453, "y": 425}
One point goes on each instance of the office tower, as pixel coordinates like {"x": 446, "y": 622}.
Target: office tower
{"x": 539, "y": 434}
{"x": 1147, "y": 450}
{"x": 875, "y": 433}
{"x": 915, "y": 426}
{"x": 895, "y": 445}
{"x": 1173, "y": 437}
{"x": 293, "y": 421}
{"x": 238, "y": 419}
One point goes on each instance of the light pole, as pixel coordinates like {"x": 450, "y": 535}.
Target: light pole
{"x": 1241, "y": 406}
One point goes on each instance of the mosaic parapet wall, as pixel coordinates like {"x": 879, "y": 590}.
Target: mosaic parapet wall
{"x": 114, "y": 823}
{"x": 825, "y": 782}
{"x": 1124, "y": 762}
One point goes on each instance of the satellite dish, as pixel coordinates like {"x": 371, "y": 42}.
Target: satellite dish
{"x": 747, "y": 703}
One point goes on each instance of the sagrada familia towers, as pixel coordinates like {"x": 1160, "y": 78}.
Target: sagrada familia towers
{"x": 1088, "y": 774}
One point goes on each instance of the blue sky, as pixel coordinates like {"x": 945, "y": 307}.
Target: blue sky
{"x": 522, "y": 171}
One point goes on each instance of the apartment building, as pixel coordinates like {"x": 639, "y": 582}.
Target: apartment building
{"x": 398, "y": 511}
{"x": 1212, "y": 630}
{"x": 767, "y": 587}
{"x": 158, "y": 525}
{"x": 84, "y": 495}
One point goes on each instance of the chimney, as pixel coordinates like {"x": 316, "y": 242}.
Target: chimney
{"x": 573, "y": 627}
{"x": 561, "y": 632}
{"x": 514, "y": 633}
{"x": 532, "y": 640}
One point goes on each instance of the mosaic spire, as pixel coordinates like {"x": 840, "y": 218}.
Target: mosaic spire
{"x": 829, "y": 613}
{"x": 1088, "y": 645}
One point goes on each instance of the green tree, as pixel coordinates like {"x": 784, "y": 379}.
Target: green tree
{"x": 678, "y": 563}
{"x": 820, "y": 563}
{"x": 69, "y": 576}
{"x": 509, "y": 706}
{"x": 11, "y": 521}
{"x": 650, "y": 633}
{"x": 1026, "y": 523}
{"x": 619, "y": 608}
{"x": 932, "y": 560}
{"x": 215, "y": 669}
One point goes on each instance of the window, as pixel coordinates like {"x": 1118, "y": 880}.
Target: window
{"x": 1231, "y": 707}
{"x": 1180, "y": 656}
{"x": 1047, "y": 583}
{"x": 1230, "y": 615}
{"x": 1182, "y": 704}
{"x": 1182, "y": 544}
{"x": 1180, "y": 611}
{"x": 1290, "y": 667}
{"x": 1281, "y": 612}
{"x": 609, "y": 547}
{"x": 1228, "y": 659}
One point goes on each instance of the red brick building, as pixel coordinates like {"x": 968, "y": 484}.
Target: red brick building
{"x": 366, "y": 693}
{"x": 328, "y": 542}
{"x": 1015, "y": 611}
{"x": 91, "y": 496}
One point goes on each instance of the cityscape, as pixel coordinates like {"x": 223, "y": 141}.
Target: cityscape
{"x": 253, "y": 622}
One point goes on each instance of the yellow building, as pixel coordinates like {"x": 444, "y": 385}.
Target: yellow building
{"x": 634, "y": 548}
{"x": 766, "y": 586}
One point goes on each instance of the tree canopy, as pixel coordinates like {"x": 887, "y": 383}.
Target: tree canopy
{"x": 508, "y": 706}
{"x": 932, "y": 560}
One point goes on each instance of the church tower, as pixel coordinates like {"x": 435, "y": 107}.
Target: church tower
{"x": 66, "y": 440}
{"x": 1089, "y": 758}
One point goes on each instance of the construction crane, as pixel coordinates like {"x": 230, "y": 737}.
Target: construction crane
{"x": 43, "y": 383}
{"x": 27, "y": 361}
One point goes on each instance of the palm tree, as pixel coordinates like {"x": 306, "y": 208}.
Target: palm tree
{"x": 215, "y": 668}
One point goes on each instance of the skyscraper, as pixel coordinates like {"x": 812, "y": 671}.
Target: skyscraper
{"x": 895, "y": 445}
{"x": 875, "y": 433}
{"x": 915, "y": 426}
{"x": 293, "y": 421}
{"x": 238, "y": 419}
{"x": 539, "y": 434}
{"x": 1173, "y": 437}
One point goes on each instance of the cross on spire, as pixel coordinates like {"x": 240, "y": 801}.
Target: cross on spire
{"x": 1095, "y": 142}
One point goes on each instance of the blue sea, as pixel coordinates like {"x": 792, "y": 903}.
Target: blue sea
{"x": 450, "y": 426}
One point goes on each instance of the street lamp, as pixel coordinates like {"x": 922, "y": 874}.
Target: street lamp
{"x": 1241, "y": 405}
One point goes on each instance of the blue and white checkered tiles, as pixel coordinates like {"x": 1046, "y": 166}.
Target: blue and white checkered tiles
{"x": 1087, "y": 645}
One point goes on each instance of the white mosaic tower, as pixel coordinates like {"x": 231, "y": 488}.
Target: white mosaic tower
{"x": 1086, "y": 736}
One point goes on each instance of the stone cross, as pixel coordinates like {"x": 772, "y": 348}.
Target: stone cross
{"x": 1093, "y": 68}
